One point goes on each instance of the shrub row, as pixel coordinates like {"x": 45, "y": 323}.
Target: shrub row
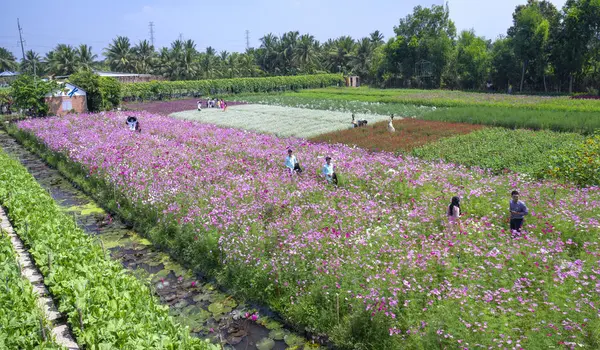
{"x": 21, "y": 320}
{"x": 157, "y": 90}
{"x": 106, "y": 307}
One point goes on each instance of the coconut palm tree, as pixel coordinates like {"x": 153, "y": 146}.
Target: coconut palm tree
{"x": 63, "y": 60}
{"x": 85, "y": 57}
{"x": 144, "y": 57}
{"x": 268, "y": 52}
{"x": 32, "y": 64}
{"x": 340, "y": 54}
{"x": 376, "y": 38}
{"x": 208, "y": 62}
{"x": 306, "y": 52}
{"x": 361, "y": 60}
{"x": 8, "y": 61}
{"x": 119, "y": 55}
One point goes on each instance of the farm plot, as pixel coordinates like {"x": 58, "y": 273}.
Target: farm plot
{"x": 373, "y": 254}
{"x": 280, "y": 121}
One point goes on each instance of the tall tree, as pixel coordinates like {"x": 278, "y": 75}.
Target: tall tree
{"x": 423, "y": 45}
{"x": 32, "y": 64}
{"x": 305, "y": 53}
{"x": 530, "y": 33}
{"x": 472, "y": 60}
{"x": 85, "y": 57}
{"x": 144, "y": 57}
{"x": 63, "y": 60}
{"x": 119, "y": 55}
{"x": 7, "y": 60}
{"x": 505, "y": 67}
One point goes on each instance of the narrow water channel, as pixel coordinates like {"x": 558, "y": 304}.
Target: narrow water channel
{"x": 208, "y": 312}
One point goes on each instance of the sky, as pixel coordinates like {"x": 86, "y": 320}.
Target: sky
{"x": 223, "y": 24}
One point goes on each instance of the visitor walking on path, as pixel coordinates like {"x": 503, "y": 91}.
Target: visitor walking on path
{"x": 518, "y": 210}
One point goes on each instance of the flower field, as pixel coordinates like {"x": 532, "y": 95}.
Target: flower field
{"x": 281, "y": 121}
{"x": 410, "y": 133}
{"x": 371, "y": 263}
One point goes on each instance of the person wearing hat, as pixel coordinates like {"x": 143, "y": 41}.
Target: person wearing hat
{"x": 291, "y": 162}
{"x": 328, "y": 172}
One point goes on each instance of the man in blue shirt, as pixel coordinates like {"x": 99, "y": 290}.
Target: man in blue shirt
{"x": 292, "y": 163}
{"x": 330, "y": 175}
{"x": 518, "y": 210}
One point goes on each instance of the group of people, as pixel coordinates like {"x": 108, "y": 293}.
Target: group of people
{"x": 291, "y": 163}
{"x": 518, "y": 210}
{"x": 213, "y": 103}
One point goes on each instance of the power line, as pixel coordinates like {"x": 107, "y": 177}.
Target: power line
{"x": 152, "y": 33}
{"x": 21, "y": 38}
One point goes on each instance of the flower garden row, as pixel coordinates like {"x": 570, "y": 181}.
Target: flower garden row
{"x": 371, "y": 263}
{"x": 21, "y": 318}
{"x": 105, "y": 306}
{"x": 177, "y": 89}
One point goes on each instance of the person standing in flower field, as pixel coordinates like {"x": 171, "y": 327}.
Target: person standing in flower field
{"x": 328, "y": 171}
{"x": 518, "y": 210}
{"x": 292, "y": 163}
{"x": 454, "y": 210}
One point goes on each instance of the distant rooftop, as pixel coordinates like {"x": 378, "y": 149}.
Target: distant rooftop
{"x": 9, "y": 74}
{"x": 117, "y": 74}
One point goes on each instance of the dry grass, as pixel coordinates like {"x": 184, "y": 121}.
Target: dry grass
{"x": 410, "y": 134}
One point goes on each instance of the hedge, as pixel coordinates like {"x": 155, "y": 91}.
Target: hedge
{"x": 158, "y": 90}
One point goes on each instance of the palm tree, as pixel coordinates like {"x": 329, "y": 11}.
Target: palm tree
{"x": 8, "y": 61}
{"x": 32, "y": 64}
{"x": 376, "y": 38}
{"x": 306, "y": 53}
{"x": 287, "y": 50}
{"x": 63, "y": 60}
{"x": 144, "y": 57}
{"x": 189, "y": 62}
{"x": 85, "y": 57}
{"x": 247, "y": 66}
{"x": 208, "y": 62}
{"x": 340, "y": 54}
{"x": 119, "y": 55}
{"x": 361, "y": 60}
{"x": 268, "y": 52}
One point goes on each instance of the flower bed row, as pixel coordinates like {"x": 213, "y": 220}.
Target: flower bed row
{"x": 371, "y": 263}
{"x": 21, "y": 319}
{"x": 105, "y": 306}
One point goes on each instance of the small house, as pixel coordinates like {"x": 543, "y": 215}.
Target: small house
{"x": 67, "y": 99}
{"x": 353, "y": 81}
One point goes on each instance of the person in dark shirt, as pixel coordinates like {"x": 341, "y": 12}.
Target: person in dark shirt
{"x": 518, "y": 210}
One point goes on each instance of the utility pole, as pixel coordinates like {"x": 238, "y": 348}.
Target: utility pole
{"x": 152, "y": 33}
{"x": 180, "y": 37}
{"x": 21, "y": 38}
{"x": 247, "y": 39}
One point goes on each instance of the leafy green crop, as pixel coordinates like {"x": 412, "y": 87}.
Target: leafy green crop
{"x": 106, "y": 307}
{"x": 20, "y": 318}
{"x": 523, "y": 151}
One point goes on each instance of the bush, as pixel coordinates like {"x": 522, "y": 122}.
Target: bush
{"x": 579, "y": 164}
{"x": 110, "y": 89}
{"x": 90, "y": 82}
{"x": 177, "y": 89}
{"x": 29, "y": 94}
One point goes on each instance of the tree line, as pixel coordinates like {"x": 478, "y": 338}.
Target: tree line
{"x": 545, "y": 49}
